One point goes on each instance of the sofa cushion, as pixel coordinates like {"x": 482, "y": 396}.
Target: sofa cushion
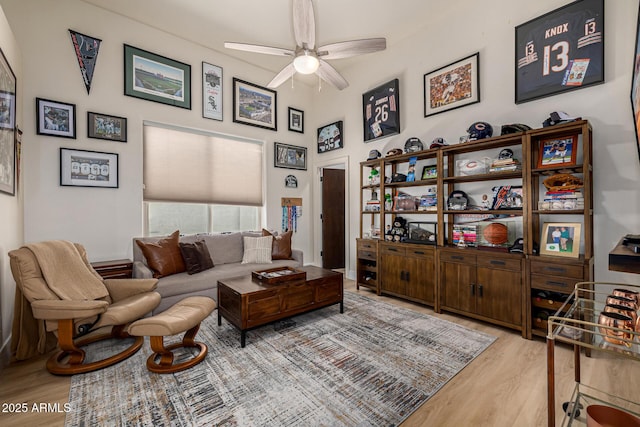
{"x": 224, "y": 248}
{"x": 163, "y": 256}
{"x": 196, "y": 256}
{"x": 257, "y": 250}
{"x": 281, "y": 247}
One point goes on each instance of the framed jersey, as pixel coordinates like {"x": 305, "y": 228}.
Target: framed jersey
{"x": 381, "y": 111}
{"x": 560, "y": 51}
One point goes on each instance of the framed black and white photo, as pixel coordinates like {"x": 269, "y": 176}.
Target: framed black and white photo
{"x": 56, "y": 118}
{"x": 452, "y": 86}
{"x": 560, "y": 51}
{"x": 296, "y": 120}
{"x": 211, "y": 91}
{"x": 254, "y": 105}
{"x": 635, "y": 86}
{"x": 83, "y": 168}
{"x": 8, "y": 162}
{"x": 289, "y": 156}
{"x": 330, "y": 137}
{"x": 156, "y": 78}
{"x": 381, "y": 111}
{"x": 102, "y": 126}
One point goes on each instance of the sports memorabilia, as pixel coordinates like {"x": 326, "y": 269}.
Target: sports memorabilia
{"x": 413, "y": 144}
{"x": 505, "y": 153}
{"x": 394, "y": 152}
{"x": 467, "y": 167}
{"x": 561, "y": 50}
{"x": 381, "y": 111}
{"x": 514, "y": 128}
{"x": 374, "y": 154}
{"x": 480, "y": 130}
{"x": 438, "y": 142}
{"x": 86, "y": 48}
{"x": 458, "y": 200}
{"x": 558, "y": 117}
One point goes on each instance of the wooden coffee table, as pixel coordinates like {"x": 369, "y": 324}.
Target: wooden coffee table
{"x": 247, "y": 303}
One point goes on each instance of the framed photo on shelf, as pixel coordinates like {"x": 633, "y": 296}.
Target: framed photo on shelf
{"x": 211, "y": 91}
{"x": 635, "y": 87}
{"x": 507, "y": 197}
{"x": 452, "y": 86}
{"x": 561, "y": 239}
{"x": 429, "y": 172}
{"x": 83, "y": 168}
{"x": 8, "y": 140}
{"x": 330, "y": 137}
{"x": 381, "y": 111}
{"x": 56, "y": 118}
{"x": 156, "y": 78}
{"x": 560, "y": 51}
{"x": 289, "y": 156}
{"x": 254, "y": 105}
{"x": 296, "y": 120}
{"x": 102, "y": 126}
{"x": 557, "y": 152}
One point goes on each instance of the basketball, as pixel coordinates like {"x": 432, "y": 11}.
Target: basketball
{"x": 496, "y": 233}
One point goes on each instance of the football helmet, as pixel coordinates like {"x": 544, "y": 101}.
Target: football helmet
{"x": 514, "y": 128}
{"x": 480, "y": 130}
{"x": 413, "y": 144}
{"x": 458, "y": 200}
{"x": 505, "y": 153}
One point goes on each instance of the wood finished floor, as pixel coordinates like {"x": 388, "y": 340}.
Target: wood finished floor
{"x": 505, "y": 386}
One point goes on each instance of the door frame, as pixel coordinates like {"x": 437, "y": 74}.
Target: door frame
{"x": 342, "y": 163}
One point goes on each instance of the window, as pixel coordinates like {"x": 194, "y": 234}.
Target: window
{"x": 197, "y": 181}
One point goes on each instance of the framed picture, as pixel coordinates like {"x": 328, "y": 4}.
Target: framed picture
{"x": 560, "y": 51}
{"x": 289, "y": 156}
{"x": 381, "y": 111}
{"x": 56, "y": 118}
{"x": 507, "y": 197}
{"x": 156, "y": 78}
{"x": 211, "y": 91}
{"x": 82, "y": 168}
{"x": 452, "y": 86}
{"x": 330, "y": 137}
{"x": 429, "y": 172}
{"x": 291, "y": 181}
{"x": 635, "y": 86}
{"x": 254, "y": 105}
{"x": 102, "y": 126}
{"x": 561, "y": 239}
{"x": 296, "y": 120}
{"x": 558, "y": 152}
{"x": 7, "y": 127}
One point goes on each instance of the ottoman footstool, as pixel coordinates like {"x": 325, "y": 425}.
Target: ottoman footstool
{"x": 185, "y": 315}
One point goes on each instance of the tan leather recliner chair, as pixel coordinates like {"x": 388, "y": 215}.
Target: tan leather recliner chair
{"x": 81, "y": 303}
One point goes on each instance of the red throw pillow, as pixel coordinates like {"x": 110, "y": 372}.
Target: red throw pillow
{"x": 163, "y": 256}
{"x": 281, "y": 246}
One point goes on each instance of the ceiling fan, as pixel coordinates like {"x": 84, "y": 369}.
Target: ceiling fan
{"x": 307, "y": 58}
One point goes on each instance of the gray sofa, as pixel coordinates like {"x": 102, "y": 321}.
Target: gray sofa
{"x": 226, "y": 251}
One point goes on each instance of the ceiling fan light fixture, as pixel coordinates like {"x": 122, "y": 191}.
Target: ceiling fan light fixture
{"x": 306, "y": 63}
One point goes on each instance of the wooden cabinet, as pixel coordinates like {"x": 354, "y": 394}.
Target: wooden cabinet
{"x": 367, "y": 264}
{"x": 116, "y": 269}
{"x": 408, "y": 271}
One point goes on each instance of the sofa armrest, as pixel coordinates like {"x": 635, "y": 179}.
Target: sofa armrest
{"x": 298, "y": 255}
{"x": 65, "y": 309}
{"x": 120, "y": 289}
{"x": 141, "y": 271}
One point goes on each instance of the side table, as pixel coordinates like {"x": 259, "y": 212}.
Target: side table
{"x": 114, "y": 269}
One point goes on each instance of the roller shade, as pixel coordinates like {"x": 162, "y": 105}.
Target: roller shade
{"x": 184, "y": 165}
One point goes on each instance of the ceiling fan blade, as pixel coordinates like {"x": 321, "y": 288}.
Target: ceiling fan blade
{"x": 259, "y": 49}
{"x": 331, "y": 75}
{"x": 351, "y": 48}
{"x": 282, "y": 76}
{"x": 304, "y": 24}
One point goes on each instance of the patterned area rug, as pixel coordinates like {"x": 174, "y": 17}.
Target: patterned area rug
{"x": 373, "y": 365}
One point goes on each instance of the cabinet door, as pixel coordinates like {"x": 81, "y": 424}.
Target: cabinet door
{"x": 421, "y": 271}
{"x": 458, "y": 286}
{"x": 499, "y": 295}
{"x": 392, "y": 277}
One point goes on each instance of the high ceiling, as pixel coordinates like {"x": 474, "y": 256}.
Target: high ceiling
{"x": 212, "y": 22}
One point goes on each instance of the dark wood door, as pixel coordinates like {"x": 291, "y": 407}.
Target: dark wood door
{"x": 333, "y": 218}
{"x": 392, "y": 276}
{"x": 421, "y": 273}
{"x": 458, "y": 283}
{"x": 500, "y": 295}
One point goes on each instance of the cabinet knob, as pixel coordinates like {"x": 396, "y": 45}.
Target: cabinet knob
{"x": 473, "y": 289}
{"x": 480, "y": 291}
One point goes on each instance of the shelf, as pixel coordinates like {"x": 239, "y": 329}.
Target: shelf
{"x": 420, "y": 183}
{"x": 563, "y": 212}
{"x": 585, "y": 395}
{"x": 483, "y": 177}
{"x": 508, "y": 212}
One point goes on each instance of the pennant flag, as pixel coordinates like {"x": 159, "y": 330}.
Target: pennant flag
{"x": 86, "y": 49}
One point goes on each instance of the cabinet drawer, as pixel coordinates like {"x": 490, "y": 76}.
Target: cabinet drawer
{"x": 367, "y": 255}
{"x": 422, "y": 252}
{"x": 553, "y": 283}
{"x": 259, "y": 309}
{"x": 463, "y": 258}
{"x": 500, "y": 263}
{"x": 541, "y": 267}
{"x": 367, "y": 245}
{"x": 393, "y": 250}
{"x": 297, "y": 297}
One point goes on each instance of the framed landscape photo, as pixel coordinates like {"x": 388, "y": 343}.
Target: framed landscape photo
{"x": 211, "y": 91}
{"x": 560, "y": 51}
{"x": 254, "y": 105}
{"x": 156, "y": 78}
{"x": 82, "y": 168}
{"x": 635, "y": 86}
{"x": 102, "y": 126}
{"x": 330, "y": 137}
{"x": 290, "y": 156}
{"x": 381, "y": 111}
{"x": 558, "y": 152}
{"x": 561, "y": 239}
{"x": 8, "y": 141}
{"x": 56, "y": 118}
{"x": 452, "y": 86}
{"x": 296, "y": 120}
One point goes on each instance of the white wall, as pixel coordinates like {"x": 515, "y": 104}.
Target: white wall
{"x": 488, "y": 27}
{"x": 11, "y": 223}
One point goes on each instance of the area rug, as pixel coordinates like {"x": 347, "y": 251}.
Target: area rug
{"x": 372, "y": 365}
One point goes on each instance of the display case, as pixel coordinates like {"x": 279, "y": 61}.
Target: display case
{"x": 582, "y": 322}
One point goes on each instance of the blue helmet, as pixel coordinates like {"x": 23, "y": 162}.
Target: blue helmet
{"x": 480, "y": 130}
